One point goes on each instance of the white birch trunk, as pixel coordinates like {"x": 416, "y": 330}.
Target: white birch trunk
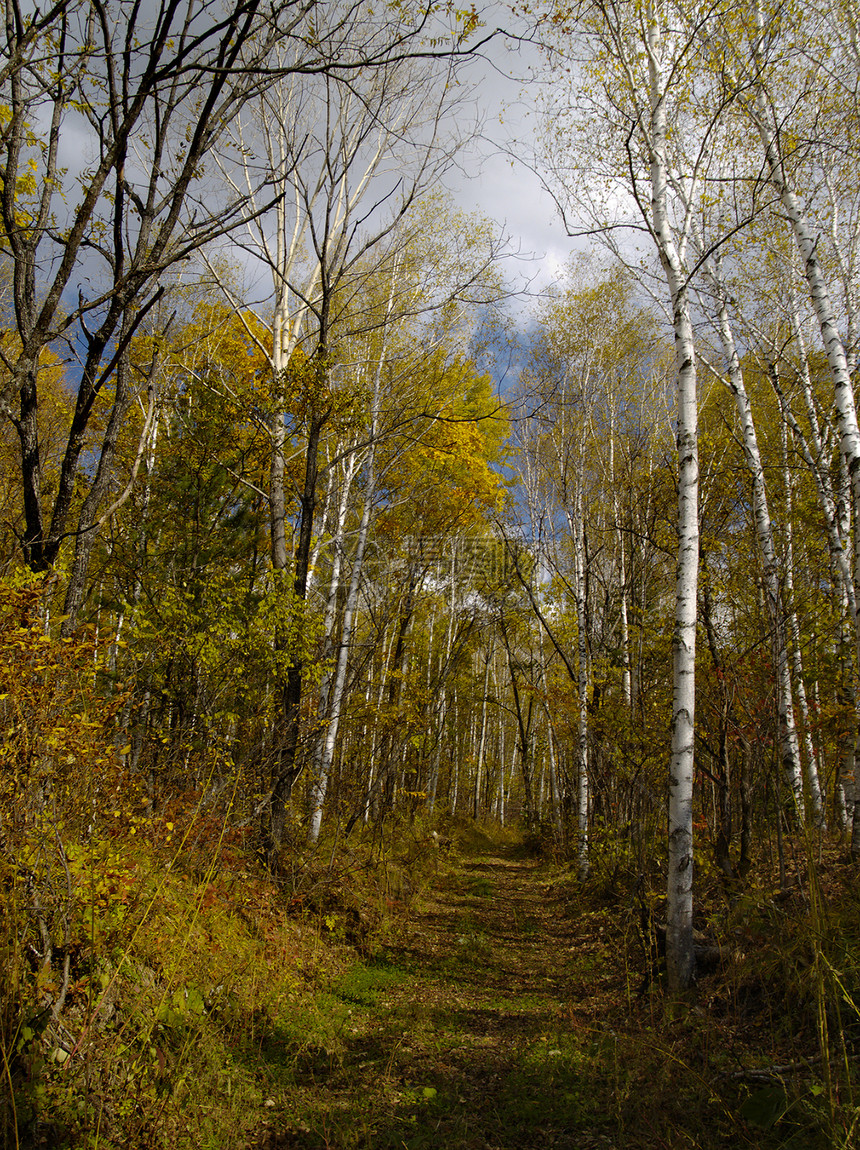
{"x": 788, "y": 741}
{"x": 332, "y": 686}
{"x": 482, "y": 743}
{"x": 622, "y": 566}
{"x": 553, "y": 774}
{"x": 500, "y": 794}
{"x": 551, "y": 737}
{"x": 626, "y": 672}
{"x": 579, "y": 582}
{"x": 443, "y": 709}
{"x": 679, "y": 908}
{"x": 849, "y": 432}
{"x": 837, "y": 524}
{"x": 371, "y": 810}
{"x": 813, "y": 779}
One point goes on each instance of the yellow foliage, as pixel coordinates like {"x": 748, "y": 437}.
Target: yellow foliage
{"x": 449, "y": 465}
{"x": 54, "y": 742}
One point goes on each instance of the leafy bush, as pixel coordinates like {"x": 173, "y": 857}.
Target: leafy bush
{"x": 64, "y": 891}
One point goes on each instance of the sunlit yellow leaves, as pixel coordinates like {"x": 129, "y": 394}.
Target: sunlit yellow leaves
{"x": 53, "y": 723}
{"x": 449, "y": 462}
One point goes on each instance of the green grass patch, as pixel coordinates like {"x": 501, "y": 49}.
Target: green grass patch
{"x": 480, "y": 886}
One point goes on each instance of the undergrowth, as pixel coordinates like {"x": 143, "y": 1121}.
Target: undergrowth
{"x": 160, "y": 990}
{"x": 764, "y": 1048}
{"x": 184, "y": 994}
{"x": 149, "y": 966}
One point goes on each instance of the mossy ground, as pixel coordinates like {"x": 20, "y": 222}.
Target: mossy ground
{"x": 478, "y": 1001}
{"x": 514, "y": 1013}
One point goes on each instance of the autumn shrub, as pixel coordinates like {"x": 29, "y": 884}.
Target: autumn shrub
{"x": 169, "y": 1034}
{"x": 144, "y": 955}
{"x": 831, "y": 941}
{"x": 59, "y": 778}
{"x": 358, "y": 890}
{"x": 146, "y": 958}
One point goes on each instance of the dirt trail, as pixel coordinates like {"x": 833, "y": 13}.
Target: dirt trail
{"x": 476, "y": 1031}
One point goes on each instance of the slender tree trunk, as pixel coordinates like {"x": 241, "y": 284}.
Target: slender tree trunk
{"x": 814, "y": 455}
{"x": 788, "y": 741}
{"x": 813, "y": 779}
{"x": 482, "y": 743}
{"x": 622, "y": 568}
{"x": 443, "y": 707}
{"x": 583, "y": 789}
{"x": 551, "y": 739}
{"x": 332, "y": 685}
{"x": 277, "y": 434}
{"x": 680, "y": 955}
{"x": 808, "y": 246}
{"x": 288, "y": 764}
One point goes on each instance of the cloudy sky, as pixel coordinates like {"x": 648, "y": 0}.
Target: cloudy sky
{"x": 493, "y": 179}
{"x": 498, "y": 181}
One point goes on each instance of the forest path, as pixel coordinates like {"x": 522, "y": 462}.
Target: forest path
{"x": 481, "y": 1028}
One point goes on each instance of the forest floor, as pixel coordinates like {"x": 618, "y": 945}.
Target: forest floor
{"x": 504, "y": 1016}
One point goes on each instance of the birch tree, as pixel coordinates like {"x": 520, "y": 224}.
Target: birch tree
{"x": 588, "y": 382}
{"x": 349, "y": 162}
{"x": 734, "y": 381}
{"x": 642, "y": 89}
{"x": 128, "y": 102}
{"x": 781, "y": 63}
{"x": 87, "y": 271}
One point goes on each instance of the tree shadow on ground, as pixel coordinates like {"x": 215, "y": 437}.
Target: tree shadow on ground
{"x": 472, "y": 1035}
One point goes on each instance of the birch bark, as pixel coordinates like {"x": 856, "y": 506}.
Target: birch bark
{"x": 768, "y": 126}
{"x": 788, "y": 740}
{"x": 813, "y": 780}
{"x": 680, "y": 958}
{"x": 648, "y": 102}
{"x": 577, "y": 528}
{"x": 349, "y": 162}
{"x": 333, "y": 687}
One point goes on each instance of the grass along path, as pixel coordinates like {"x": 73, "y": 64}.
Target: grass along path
{"x": 502, "y": 1019}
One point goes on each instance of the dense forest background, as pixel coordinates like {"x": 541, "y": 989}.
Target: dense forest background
{"x": 317, "y": 538}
